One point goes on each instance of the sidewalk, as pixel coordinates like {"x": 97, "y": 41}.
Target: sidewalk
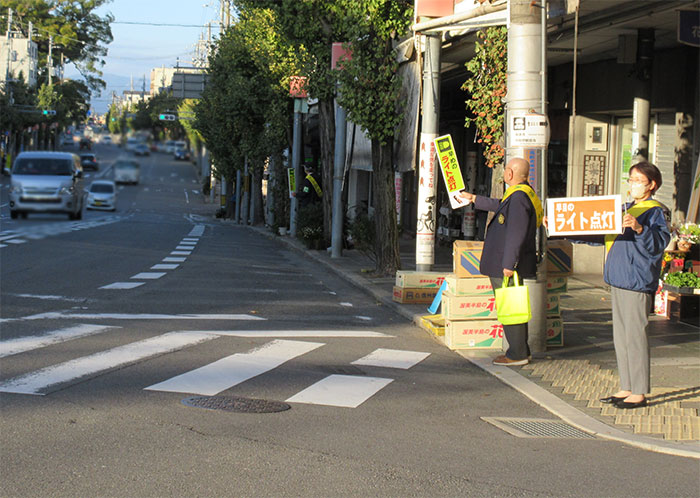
{"x": 568, "y": 381}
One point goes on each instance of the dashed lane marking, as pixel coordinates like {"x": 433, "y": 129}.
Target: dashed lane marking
{"x": 148, "y": 275}
{"x": 122, "y": 285}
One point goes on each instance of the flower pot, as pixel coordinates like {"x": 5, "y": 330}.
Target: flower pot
{"x": 683, "y": 245}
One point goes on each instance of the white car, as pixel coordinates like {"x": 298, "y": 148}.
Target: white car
{"x": 131, "y": 143}
{"x": 106, "y": 139}
{"x": 102, "y": 194}
{"x": 127, "y": 171}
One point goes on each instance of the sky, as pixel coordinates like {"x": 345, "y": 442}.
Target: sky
{"x": 138, "y": 48}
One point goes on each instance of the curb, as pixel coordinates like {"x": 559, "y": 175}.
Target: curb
{"x": 526, "y": 387}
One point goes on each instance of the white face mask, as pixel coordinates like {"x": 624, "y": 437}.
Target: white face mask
{"x": 638, "y": 190}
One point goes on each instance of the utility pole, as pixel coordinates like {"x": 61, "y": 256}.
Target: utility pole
{"x": 642, "y": 97}
{"x": 338, "y": 160}
{"x": 425, "y": 218}
{"x": 296, "y": 161}
{"x": 49, "y": 59}
{"x": 526, "y": 77}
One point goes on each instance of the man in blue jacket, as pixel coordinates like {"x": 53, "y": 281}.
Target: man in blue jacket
{"x": 510, "y": 245}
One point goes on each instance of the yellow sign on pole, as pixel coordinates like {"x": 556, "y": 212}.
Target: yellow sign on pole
{"x": 450, "y": 170}
{"x": 291, "y": 182}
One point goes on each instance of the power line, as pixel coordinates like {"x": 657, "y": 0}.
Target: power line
{"x": 160, "y": 24}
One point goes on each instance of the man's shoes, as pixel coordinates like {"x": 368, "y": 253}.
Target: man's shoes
{"x": 626, "y": 405}
{"x": 504, "y": 360}
{"x": 612, "y": 399}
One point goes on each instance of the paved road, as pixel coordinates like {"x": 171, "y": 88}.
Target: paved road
{"x": 109, "y": 323}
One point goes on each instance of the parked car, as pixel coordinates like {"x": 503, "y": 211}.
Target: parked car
{"x": 130, "y": 144}
{"x": 102, "y": 194}
{"x": 141, "y": 149}
{"x": 47, "y": 182}
{"x": 169, "y": 146}
{"x": 182, "y": 154}
{"x": 127, "y": 171}
{"x": 89, "y": 161}
{"x": 85, "y": 143}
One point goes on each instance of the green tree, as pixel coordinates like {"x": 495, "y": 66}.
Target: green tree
{"x": 78, "y": 33}
{"x": 370, "y": 93}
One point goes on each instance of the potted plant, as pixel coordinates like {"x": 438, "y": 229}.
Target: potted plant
{"x": 687, "y": 235}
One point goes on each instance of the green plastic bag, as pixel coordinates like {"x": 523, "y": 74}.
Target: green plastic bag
{"x": 513, "y": 303}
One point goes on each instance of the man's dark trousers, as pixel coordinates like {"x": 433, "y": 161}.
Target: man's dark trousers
{"x": 516, "y": 335}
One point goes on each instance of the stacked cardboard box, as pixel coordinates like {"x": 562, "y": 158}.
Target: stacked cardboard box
{"x": 559, "y": 267}
{"x": 468, "y": 304}
{"x": 417, "y": 287}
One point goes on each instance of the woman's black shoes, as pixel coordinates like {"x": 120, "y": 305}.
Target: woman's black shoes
{"x": 612, "y": 399}
{"x": 626, "y": 405}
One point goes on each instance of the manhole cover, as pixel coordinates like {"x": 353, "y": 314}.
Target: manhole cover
{"x": 236, "y": 404}
{"x": 537, "y": 427}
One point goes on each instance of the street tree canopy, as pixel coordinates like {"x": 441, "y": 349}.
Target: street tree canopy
{"x": 78, "y": 33}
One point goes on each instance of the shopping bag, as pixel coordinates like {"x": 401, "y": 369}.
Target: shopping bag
{"x": 512, "y": 303}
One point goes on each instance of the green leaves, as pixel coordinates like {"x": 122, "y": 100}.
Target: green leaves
{"x": 487, "y": 89}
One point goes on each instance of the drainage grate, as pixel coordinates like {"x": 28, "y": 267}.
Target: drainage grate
{"x": 537, "y": 427}
{"x": 236, "y": 404}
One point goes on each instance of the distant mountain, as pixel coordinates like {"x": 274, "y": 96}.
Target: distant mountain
{"x": 116, "y": 83}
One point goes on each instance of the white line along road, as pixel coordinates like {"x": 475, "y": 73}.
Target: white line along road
{"x": 39, "y": 381}
{"x": 23, "y": 344}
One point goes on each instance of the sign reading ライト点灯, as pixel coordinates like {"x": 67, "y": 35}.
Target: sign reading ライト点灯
{"x": 528, "y": 129}
{"x": 450, "y": 171}
{"x": 596, "y": 215}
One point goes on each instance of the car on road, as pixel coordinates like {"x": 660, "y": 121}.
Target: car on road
{"x": 130, "y": 144}
{"x": 89, "y": 161}
{"x": 141, "y": 149}
{"x": 126, "y": 171}
{"x": 182, "y": 154}
{"x": 169, "y": 146}
{"x": 102, "y": 194}
{"x": 46, "y": 182}
{"x": 67, "y": 141}
{"x": 106, "y": 139}
{"x": 85, "y": 143}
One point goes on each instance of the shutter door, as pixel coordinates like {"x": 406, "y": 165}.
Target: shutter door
{"x": 664, "y": 157}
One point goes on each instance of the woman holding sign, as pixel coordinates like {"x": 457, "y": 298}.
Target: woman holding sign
{"x": 632, "y": 268}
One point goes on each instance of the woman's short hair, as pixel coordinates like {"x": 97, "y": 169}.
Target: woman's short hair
{"x": 650, "y": 171}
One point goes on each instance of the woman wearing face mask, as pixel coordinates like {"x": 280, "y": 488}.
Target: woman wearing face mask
{"x": 632, "y": 268}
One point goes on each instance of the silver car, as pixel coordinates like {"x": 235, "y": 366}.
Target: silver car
{"x": 102, "y": 194}
{"x": 47, "y": 182}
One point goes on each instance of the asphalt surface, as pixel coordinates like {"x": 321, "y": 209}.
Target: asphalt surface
{"x": 240, "y": 293}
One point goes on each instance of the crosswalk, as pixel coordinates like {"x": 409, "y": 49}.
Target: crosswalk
{"x": 220, "y": 374}
{"x": 16, "y": 237}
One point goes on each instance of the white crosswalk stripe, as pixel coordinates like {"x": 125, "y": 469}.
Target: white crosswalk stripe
{"x": 22, "y": 344}
{"x": 232, "y": 370}
{"x": 40, "y": 381}
{"x": 348, "y": 391}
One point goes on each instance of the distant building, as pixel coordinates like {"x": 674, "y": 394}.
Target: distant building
{"x": 132, "y": 97}
{"x": 19, "y": 56}
{"x": 162, "y": 77}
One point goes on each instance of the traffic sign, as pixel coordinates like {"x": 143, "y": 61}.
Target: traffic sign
{"x": 48, "y": 112}
{"x": 167, "y": 117}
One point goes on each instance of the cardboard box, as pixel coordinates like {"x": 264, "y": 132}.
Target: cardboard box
{"x": 466, "y": 255}
{"x": 435, "y": 324}
{"x": 477, "y": 286}
{"x": 406, "y": 295}
{"x": 560, "y": 257}
{"x": 553, "y": 308}
{"x": 419, "y": 279}
{"x": 473, "y": 334}
{"x": 468, "y": 307}
{"x": 555, "y": 332}
{"x": 557, "y": 284}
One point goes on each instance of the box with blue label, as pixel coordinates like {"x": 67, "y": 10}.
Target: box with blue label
{"x": 466, "y": 255}
{"x": 560, "y": 261}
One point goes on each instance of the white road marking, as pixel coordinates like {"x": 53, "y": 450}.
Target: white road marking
{"x": 38, "y": 381}
{"x": 347, "y": 391}
{"x": 392, "y": 358}
{"x": 184, "y": 248}
{"x": 174, "y": 260}
{"x": 297, "y": 333}
{"x": 180, "y": 253}
{"x": 187, "y": 196}
{"x": 131, "y": 316}
{"x": 23, "y": 344}
{"x": 148, "y": 275}
{"x": 363, "y": 318}
{"x": 190, "y": 239}
{"x": 50, "y": 297}
{"x": 235, "y": 369}
{"x": 164, "y": 267}
{"x": 348, "y": 305}
{"x": 122, "y": 285}
{"x": 15, "y": 241}
{"x": 197, "y": 231}
{"x": 3, "y": 245}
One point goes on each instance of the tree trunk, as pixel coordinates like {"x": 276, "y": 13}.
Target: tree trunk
{"x": 326, "y": 125}
{"x": 386, "y": 231}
